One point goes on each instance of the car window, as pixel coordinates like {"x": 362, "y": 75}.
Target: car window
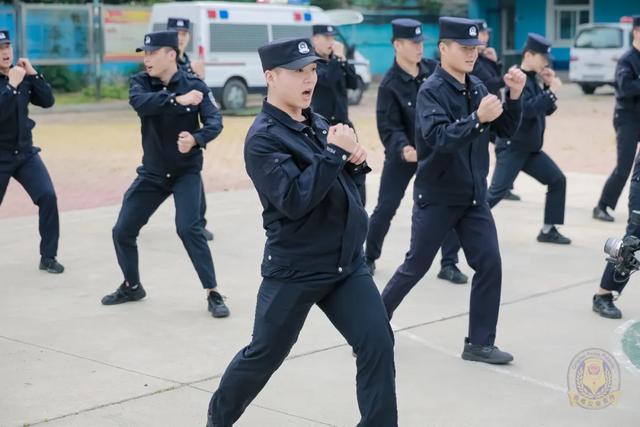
{"x": 599, "y": 38}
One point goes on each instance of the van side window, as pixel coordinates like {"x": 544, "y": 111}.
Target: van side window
{"x": 599, "y": 38}
{"x": 237, "y": 37}
{"x": 290, "y": 31}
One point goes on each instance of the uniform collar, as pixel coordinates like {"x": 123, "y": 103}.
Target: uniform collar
{"x": 285, "y": 119}
{"x": 452, "y": 80}
{"x": 157, "y": 82}
{"x": 422, "y": 71}
{"x": 184, "y": 59}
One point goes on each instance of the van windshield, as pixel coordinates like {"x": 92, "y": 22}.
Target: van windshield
{"x": 599, "y": 38}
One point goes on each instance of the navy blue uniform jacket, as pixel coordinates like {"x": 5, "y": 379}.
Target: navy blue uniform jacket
{"x": 15, "y": 124}
{"x": 538, "y": 102}
{"x": 452, "y": 145}
{"x": 396, "y": 107}
{"x": 312, "y": 211}
{"x": 163, "y": 118}
{"x": 628, "y": 83}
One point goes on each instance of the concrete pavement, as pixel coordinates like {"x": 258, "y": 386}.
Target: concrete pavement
{"x": 65, "y": 360}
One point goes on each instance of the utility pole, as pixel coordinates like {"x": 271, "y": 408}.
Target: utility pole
{"x": 97, "y": 46}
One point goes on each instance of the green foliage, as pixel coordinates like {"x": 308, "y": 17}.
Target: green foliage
{"x": 62, "y": 79}
{"x": 108, "y": 91}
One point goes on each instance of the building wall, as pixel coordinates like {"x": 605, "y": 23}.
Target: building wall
{"x": 612, "y": 10}
{"x": 374, "y": 42}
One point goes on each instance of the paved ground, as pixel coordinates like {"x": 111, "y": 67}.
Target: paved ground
{"x": 65, "y": 360}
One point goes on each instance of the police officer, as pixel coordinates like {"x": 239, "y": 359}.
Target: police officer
{"x": 21, "y": 84}
{"x": 171, "y": 103}
{"x": 489, "y": 70}
{"x": 307, "y": 176}
{"x": 454, "y": 116}
{"x": 523, "y": 150}
{"x": 396, "y": 115}
{"x": 612, "y": 281}
{"x": 183, "y": 27}
{"x": 626, "y": 124}
{"x": 335, "y": 76}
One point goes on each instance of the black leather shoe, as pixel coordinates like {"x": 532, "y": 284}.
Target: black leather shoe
{"x": 604, "y": 306}
{"x": 216, "y": 304}
{"x": 511, "y": 196}
{"x": 553, "y": 236}
{"x": 124, "y": 293}
{"x": 602, "y": 214}
{"x": 207, "y": 234}
{"x": 371, "y": 265}
{"x": 50, "y": 265}
{"x": 452, "y": 274}
{"x": 485, "y": 353}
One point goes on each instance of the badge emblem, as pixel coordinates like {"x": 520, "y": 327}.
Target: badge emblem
{"x": 418, "y": 30}
{"x": 473, "y": 31}
{"x": 2, "y": 36}
{"x": 303, "y": 48}
{"x": 147, "y": 40}
{"x": 180, "y": 23}
{"x": 593, "y": 379}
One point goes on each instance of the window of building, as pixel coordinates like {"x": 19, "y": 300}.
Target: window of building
{"x": 566, "y": 16}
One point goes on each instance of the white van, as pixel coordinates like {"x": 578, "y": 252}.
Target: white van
{"x": 595, "y": 53}
{"x": 226, "y": 37}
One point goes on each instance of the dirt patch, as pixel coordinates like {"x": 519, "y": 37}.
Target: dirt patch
{"x": 92, "y": 156}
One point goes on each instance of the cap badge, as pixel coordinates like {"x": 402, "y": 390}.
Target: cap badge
{"x": 473, "y": 31}
{"x": 147, "y": 40}
{"x": 418, "y": 30}
{"x": 303, "y": 48}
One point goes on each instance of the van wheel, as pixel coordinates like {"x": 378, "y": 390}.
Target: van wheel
{"x": 588, "y": 89}
{"x": 234, "y": 95}
{"x": 355, "y": 95}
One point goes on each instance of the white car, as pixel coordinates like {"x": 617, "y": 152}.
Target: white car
{"x": 595, "y": 53}
{"x": 226, "y": 37}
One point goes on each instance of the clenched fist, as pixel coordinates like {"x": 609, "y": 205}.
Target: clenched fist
{"x": 16, "y": 75}
{"x": 26, "y": 64}
{"x": 409, "y": 154}
{"x": 344, "y": 137}
{"x": 515, "y": 80}
{"x": 490, "y": 109}
{"x": 186, "y": 142}
{"x": 193, "y": 97}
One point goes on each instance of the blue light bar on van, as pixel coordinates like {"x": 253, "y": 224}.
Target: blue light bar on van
{"x": 224, "y": 14}
{"x": 307, "y": 16}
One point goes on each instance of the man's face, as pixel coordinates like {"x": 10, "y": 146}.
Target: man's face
{"x": 6, "y": 55}
{"x": 157, "y": 62}
{"x": 636, "y": 35}
{"x": 409, "y": 50}
{"x": 293, "y": 87}
{"x": 183, "y": 40}
{"x": 459, "y": 57}
{"x": 323, "y": 44}
{"x": 483, "y": 36}
{"x": 537, "y": 61}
